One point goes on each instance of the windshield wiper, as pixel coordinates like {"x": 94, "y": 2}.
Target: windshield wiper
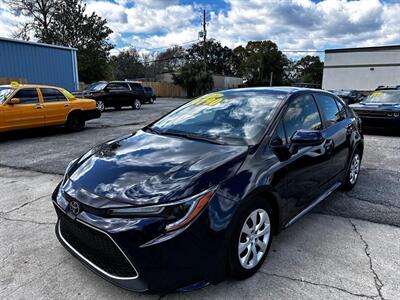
{"x": 193, "y": 137}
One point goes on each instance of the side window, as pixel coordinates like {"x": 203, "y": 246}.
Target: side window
{"x": 52, "y": 95}
{"x": 342, "y": 110}
{"x": 280, "y": 133}
{"x": 136, "y": 86}
{"x": 115, "y": 86}
{"x": 302, "y": 113}
{"x": 329, "y": 109}
{"x": 27, "y": 96}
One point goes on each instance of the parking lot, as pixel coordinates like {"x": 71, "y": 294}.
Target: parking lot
{"x": 347, "y": 248}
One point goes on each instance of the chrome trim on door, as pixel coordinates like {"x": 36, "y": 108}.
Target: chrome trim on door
{"x": 313, "y": 204}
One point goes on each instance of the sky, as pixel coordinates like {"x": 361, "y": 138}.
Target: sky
{"x": 154, "y": 25}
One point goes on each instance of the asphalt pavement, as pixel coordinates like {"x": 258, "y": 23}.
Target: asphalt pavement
{"x": 347, "y": 248}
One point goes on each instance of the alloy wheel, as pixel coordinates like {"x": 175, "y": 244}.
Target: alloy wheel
{"x": 254, "y": 238}
{"x": 100, "y": 105}
{"x": 136, "y": 104}
{"x": 354, "y": 168}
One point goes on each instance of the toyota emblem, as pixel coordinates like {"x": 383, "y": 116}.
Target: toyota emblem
{"x": 74, "y": 207}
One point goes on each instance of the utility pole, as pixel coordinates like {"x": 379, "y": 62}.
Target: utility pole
{"x": 204, "y": 40}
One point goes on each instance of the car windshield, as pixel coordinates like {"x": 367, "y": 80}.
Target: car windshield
{"x": 5, "y": 92}
{"x": 384, "y": 97}
{"x": 237, "y": 118}
{"x": 94, "y": 87}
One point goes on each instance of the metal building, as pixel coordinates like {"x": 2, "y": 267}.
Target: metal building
{"x": 38, "y": 63}
{"x": 362, "y": 69}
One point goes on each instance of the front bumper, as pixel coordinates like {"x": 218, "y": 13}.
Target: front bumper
{"x": 198, "y": 254}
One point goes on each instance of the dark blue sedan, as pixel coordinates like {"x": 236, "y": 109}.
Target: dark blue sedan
{"x": 199, "y": 194}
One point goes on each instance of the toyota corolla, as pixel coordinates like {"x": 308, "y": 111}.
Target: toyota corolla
{"x": 198, "y": 195}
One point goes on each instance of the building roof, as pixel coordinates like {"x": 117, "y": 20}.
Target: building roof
{"x": 36, "y": 44}
{"x": 365, "y": 49}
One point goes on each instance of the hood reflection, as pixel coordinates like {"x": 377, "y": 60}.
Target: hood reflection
{"x": 147, "y": 168}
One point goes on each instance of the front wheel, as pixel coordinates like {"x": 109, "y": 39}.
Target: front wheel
{"x": 75, "y": 122}
{"x": 136, "y": 104}
{"x": 100, "y": 105}
{"x": 251, "y": 239}
{"x": 353, "y": 171}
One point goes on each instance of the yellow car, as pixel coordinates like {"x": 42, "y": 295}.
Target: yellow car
{"x": 25, "y": 106}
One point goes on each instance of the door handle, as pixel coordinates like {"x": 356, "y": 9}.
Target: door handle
{"x": 39, "y": 107}
{"x": 66, "y": 105}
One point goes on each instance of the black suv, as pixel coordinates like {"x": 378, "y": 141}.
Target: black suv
{"x": 150, "y": 95}
{"x": 200, "y": 193}
{"x": 118, "y": 94}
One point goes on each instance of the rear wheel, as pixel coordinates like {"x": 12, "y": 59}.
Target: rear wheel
{"x": 251, "y": 239}
{"x": 100, "y": 105}
{"x": 75, "y": 122}
{"x": 151, "y": 101}
{"x": 136, "y": 104}
{"x": 353, "y": 171}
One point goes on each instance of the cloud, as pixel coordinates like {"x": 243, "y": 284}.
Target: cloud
{"x": 293, "y": 24}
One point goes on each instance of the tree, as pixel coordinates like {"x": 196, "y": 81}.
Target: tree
{"x": 127, "y": 65}
{"x": 194, "y": 79}
{"x": 65, "y": 22}
{"x": 170, "y": 60}
{"x": 258, "y": 61}
{"x": 219, "y": 59}
{"x": 309, "y": 69}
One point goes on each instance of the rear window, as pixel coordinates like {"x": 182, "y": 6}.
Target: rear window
{"x": 52, "y": 95}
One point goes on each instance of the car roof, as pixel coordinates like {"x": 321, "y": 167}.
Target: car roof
{"x": 31, "y": 86}
{"x": 279, "y": 89}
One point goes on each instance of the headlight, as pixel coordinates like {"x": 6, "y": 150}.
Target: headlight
{"x": 177, "y": 214}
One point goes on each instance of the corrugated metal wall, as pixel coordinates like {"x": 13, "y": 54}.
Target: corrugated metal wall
{"x": 37, "y": 63}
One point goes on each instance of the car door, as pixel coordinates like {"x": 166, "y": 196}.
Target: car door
{"x": 307, "y": 168}
{"x": 116, "y": 94}
{"x": 56, "y": 106}
{"x": 337, "y": 128}
{"x": 28, "y": 113}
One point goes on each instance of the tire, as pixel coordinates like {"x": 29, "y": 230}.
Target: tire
{"x": 151, "y": 101}
{"x": 246, "y": 251}
{"x": 100, "y": 105}
{"x": 117, "y": 107}
{"x": 136, "y": 104}
{"x": 353, "y": 171}
{"x": 75, "y": 122}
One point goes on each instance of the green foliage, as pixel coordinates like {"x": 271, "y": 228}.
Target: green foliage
{"x": 309, "y": 69}
{"x": 194, "y": 79}
{"x": 257, "y": 61}
{"x": 127, "y": 65}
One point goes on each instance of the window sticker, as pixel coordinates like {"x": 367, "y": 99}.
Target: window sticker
{"x": 377, "y": 94}
{"x": 208, "y": 100}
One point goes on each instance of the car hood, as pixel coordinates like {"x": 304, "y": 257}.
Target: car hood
{"x": 375, "y": 106}
{"x": 147, "y": 168}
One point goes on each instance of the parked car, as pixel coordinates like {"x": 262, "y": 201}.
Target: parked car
{"x": 150, "y": 95}
{"x": 29, "y": 106}
{"x": 348, "y": 96}
{"x": 200, "y": 193}
{"x": 381, "y": 109}
{"x": 90, "y": 88}
{"x": 117, "y": 94}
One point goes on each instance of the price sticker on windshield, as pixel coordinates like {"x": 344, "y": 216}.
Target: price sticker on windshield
{"x": 376, "y": 94}
{"x": 208, "y": 100}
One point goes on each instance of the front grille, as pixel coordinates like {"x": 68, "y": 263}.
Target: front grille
{"x": 371, "y": 113}
{"x": 96, "y": 247}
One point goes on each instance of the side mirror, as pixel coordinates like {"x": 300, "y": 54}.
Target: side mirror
{"x": 14, "y": 101}
{"x": 303, "y": 138}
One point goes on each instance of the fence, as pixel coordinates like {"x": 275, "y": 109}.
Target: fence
{"x": 165, "y": 89}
